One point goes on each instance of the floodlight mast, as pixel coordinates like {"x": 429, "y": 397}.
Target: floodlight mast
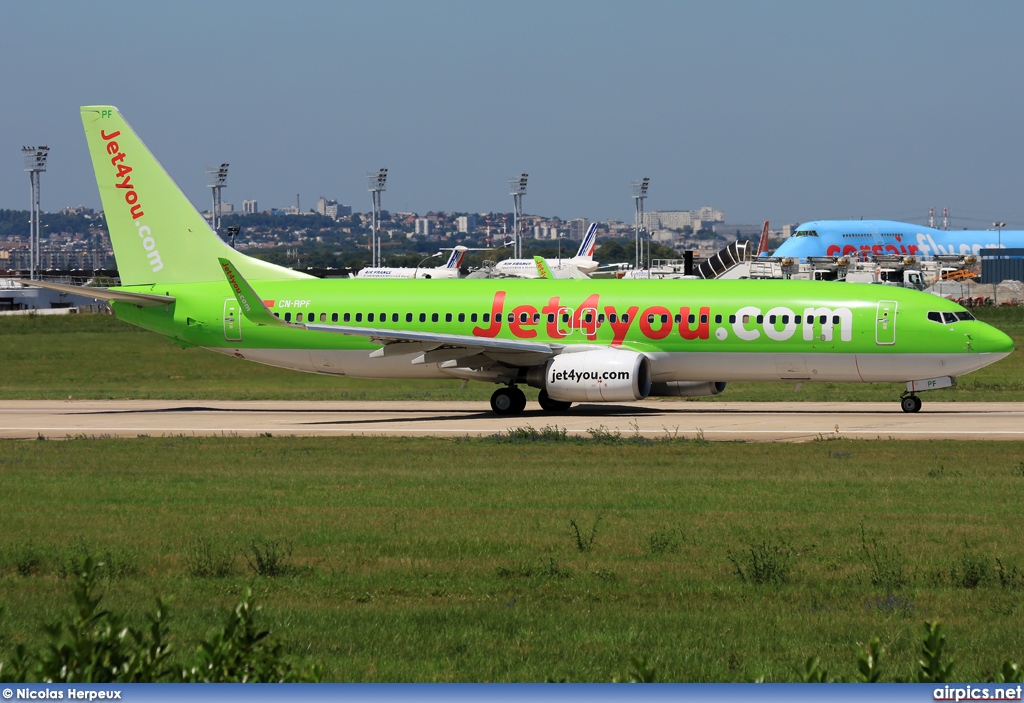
{"x": 376, "y": 183}
{"x": 517, "y": 189}
{"x": 639, "y": 195}
{"x": 35, "y": 164}
{"x": 216, "y": 180}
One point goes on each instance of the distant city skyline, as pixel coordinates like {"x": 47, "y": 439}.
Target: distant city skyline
{"x": 786, "y": 111}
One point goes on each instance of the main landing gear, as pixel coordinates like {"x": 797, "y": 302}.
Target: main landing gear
{"x": 910, "y": 403}
{"x": 512, "y": 401}
{"x": 508, "y": 401}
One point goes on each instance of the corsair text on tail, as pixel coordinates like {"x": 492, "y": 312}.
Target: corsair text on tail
{"x": 157, "y": 234}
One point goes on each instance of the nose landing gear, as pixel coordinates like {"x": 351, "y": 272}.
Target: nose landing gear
{"x": 910, "y": 403}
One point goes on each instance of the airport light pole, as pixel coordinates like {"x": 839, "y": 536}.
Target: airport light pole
{"x": 216, "y": 180}
{"x": 639, "y": 195}
{"x": 376, "y": 183}
{"x": 35, "y": 164}
{"x": 416, "y": 273}
{"x": 999, "y": 245}
{"x": 517, "y": 189}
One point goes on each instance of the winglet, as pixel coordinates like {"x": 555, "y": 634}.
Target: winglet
{"x": 543, "y": 270}
{"x": 251, "y": 304}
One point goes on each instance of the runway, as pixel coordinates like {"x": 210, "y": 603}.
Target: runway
{"x": 763, "y": 422}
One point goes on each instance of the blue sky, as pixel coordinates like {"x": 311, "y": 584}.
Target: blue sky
{"x": 783, "y": 110}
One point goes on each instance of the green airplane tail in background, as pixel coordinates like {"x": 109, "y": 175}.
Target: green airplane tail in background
{"x": 157, "y": 234}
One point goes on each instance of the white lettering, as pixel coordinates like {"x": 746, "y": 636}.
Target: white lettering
{"x": 738, "y": 328}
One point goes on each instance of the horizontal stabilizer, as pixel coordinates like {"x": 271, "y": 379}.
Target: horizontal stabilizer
{"x": 253, "y": 307}
{"x": 122, "y": 296}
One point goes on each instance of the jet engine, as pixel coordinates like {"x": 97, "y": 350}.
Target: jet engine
{"x": 596, "y": 375}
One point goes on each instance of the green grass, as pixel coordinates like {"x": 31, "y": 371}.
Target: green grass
{"x": 96, "y": 357}
{"x": 535, "y": 557}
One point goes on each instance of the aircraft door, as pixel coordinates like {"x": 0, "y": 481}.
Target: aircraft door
{"x": 564, "y": 320}
{"x": 232, "y": 321}
{"x": 885, "y": 322}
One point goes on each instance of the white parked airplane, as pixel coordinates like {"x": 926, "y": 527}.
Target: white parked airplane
{"x": 579, "y": 266}
{"x": 449, "y": 270}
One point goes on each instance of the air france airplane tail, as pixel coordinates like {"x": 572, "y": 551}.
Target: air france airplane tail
{"x": 586, "y": 250}
{"x": 455, "y": 260}
{"x": 157, "y": 234}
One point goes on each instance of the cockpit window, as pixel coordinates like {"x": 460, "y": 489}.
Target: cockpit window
{"x": 964, "y": 316}
{"x": 805, "y": 233}
{"x": 948, "y": 318}
{"x": 935, "y": 316}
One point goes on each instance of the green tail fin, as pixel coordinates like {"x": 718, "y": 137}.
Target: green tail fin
{"x": 543, "y": 270}
{"x": 157, "y": 234}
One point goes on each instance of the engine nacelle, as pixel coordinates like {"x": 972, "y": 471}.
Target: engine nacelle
{"x": 687, "y": 389}
{"x": 598, "y": 375}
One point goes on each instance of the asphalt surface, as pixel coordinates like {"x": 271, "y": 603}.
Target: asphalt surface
{"x": 792, "y": 422}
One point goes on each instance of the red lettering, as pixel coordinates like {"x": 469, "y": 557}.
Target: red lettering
{"x": 913, "y": 249}
{"x": 646, "y": 321}
{"x": 137, "y": 215}
{"x": 892, "y": 248}
{"x": 116, "y": 159}
{"x": 876, "y": 249}
{"x": 107, "y": 137}
{"x": 849, "y": 249}
{"x": 515, "y": 325}
{"x": 112, "y": 147}
{"x": 833, "y": 250}
{"x": 131, "y": 197}
{"x": 496, "y": 307}
{"x": 579, "y": 321}
{"x": 702, "y": 331}
{"x": 551, "y": 311}
{"x": 123, "y": 170}
{"x": 619, "y": 326}
{"x": 126, "y": 183}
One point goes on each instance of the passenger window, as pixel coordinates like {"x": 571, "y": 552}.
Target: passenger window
{"x": 434, "y": 317}
{"x": 703, "y": 319}
{"x": 423, "y": 317}
{"x": 472, "y": 317}
{"x": 692, "y": 319}
{"x": 796, "y": 319}
{"x": 565, "y": 317}
{"x": 447, "y": 317}
{"x": 298, "y": 317}
{"x": 823, "y": 319}
{"x": 835, "y": 319}
{"x": 732, "y": 319}
{"x": 746, "y": 319}
{"x": 664, "y": 319}
{"x": 394, "y": 317}
{"x": 536, "y": 317}
{"x": 588, "y": 318}
{"x": 287, "y": 317}
{"x": 612, "y": 317}
{"x": 348, "y": 317}
{"x": 650, "y": 319}
{"x": 523, "y": 317}
{"x": 334, "y": 317}
{"x": 600, "y": 318}
{"x": 408, "y": 317}
{"x": 277, "y": 315}
{"x": 487, "y": 317}
{"x": 678, "y": 318}
{"x": 497, "y": 317}
{"x": 625, "y": 318}
{"x": 760, "y": 319}
{"x": 551, "y": 317}
{"x": 369, "y": 317}
{"x": 359, "y": 317}
{"x": 462, "y": 317}
{"x": 323, "y": 317}
{"x": 718, "y": 319}
{"x": 772, "y": 319}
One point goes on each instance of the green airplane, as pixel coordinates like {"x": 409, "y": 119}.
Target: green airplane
{"x": 575, "y": 340}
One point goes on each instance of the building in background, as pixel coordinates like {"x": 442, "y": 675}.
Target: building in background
{"x": 249, "y": 207}
{"x": 578, "y": 228}
{"x": 466, "y": 223}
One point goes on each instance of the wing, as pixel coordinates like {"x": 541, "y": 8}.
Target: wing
{"x": 431, "y": 347}
{"x": 123, "y": 296}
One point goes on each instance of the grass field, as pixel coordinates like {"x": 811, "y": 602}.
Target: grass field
{"x": 430, "y": 559}
{"x": 96, "y": 357}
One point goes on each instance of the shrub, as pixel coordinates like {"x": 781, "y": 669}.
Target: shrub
{"x": 268, "y": 558}
{"x": 764, "y": 563}
{"x": 204, "y": 560}
{"x": 886, "y": 566}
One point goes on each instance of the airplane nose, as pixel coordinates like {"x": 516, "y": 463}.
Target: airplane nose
{"x": 993, "y": 341}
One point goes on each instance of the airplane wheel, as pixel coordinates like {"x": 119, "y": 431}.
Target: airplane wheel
{"x": 508, "y": 401}
{"x": 910, "y": 404}
{"x": 551, "y": 405}
{"x": 503, "y": 401}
